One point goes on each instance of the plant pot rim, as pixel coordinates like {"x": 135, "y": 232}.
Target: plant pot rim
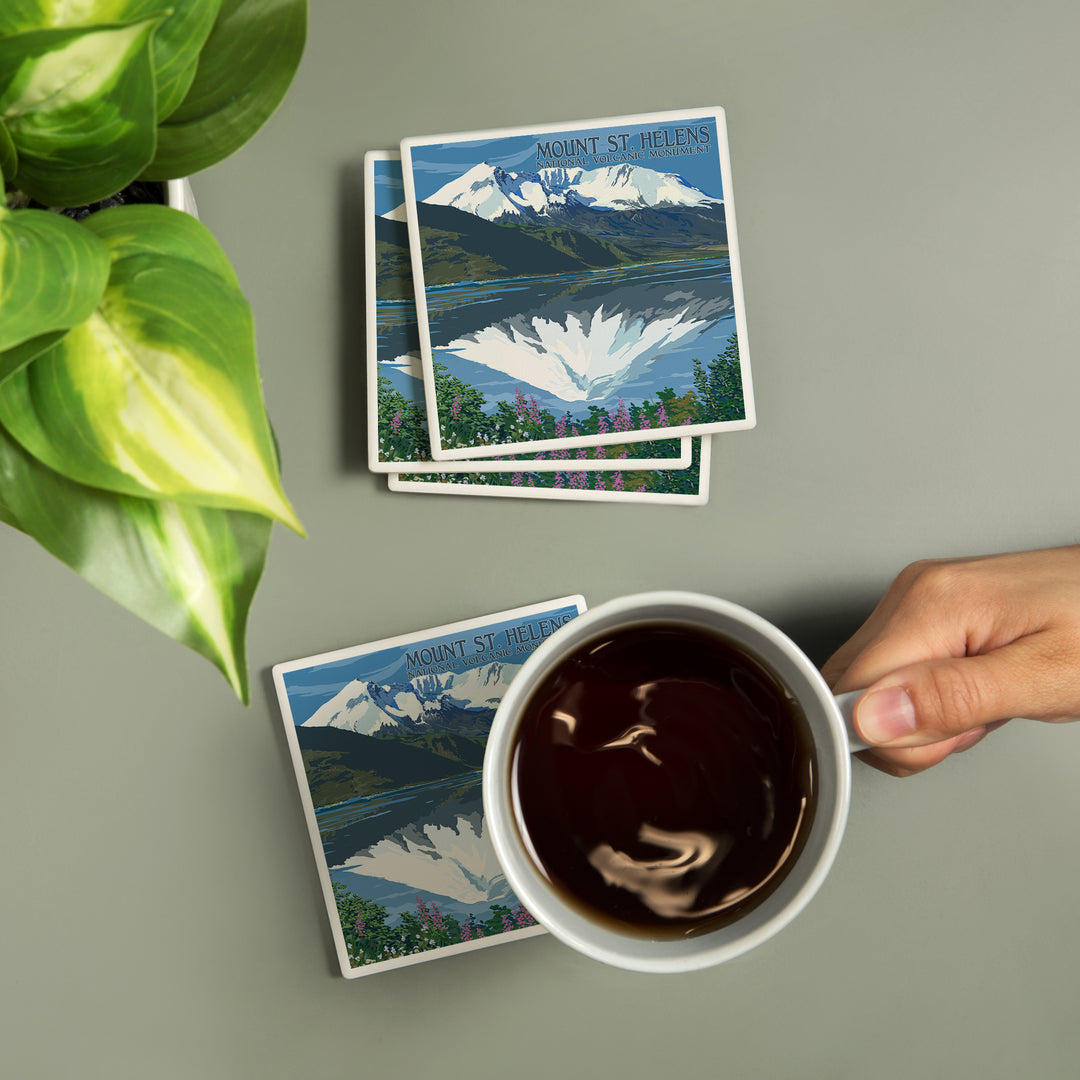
{"x": 179, "y": 195}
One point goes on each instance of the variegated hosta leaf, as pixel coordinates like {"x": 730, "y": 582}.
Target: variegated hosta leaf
{"x": 157, "y": 394}
{"x": 176, "y": 44}
{"x": 52, "y": 274}
{"x": 245, "y": 68}
{"x": 145, "y": 229}
{"x": 190, "y": 571}
{"x": 79, "y": 106}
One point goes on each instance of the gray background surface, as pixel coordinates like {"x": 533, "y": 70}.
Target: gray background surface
{"x": 905, "y": 179}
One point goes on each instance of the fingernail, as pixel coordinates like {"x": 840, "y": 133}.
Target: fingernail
{"x": 886, "y": 715}
{"x": 969, "y": 739}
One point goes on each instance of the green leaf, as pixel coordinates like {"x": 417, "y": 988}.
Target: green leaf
{"x": 176, "y": 44}
{"x": 189, "y": 571}
{"x": 7, "y": 515}
{"x": 17, "y": 357}
{"x": 143, "y": 229}
{"x": 79, "y": 106}
{"x": 19, "y": 15}
{"x": 9, "y": 157}
{"x": 245, "y": 68}
{"x": 157, "y": 394}
{"x": 53, "y": 273}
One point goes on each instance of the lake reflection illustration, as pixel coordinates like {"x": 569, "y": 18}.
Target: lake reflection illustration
{"x": 428, "y": 840}
{"x": 584, "y": 339}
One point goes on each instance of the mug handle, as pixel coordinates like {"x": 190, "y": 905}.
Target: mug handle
{"x": 846, "y": 704}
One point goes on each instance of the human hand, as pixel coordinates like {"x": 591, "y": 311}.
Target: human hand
{"x": 956, "y": 648}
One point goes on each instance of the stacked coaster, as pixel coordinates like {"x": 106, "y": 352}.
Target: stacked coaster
{"x": 556, "y": 311}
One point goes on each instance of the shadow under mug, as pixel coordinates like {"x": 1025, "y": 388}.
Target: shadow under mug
{"x": 834, "y": 739}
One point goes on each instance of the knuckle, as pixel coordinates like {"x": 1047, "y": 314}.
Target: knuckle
{"x": 910, "y": 576}
{"x": 940, "y": 580}
{"x": 952, "y": 597}
{"x": 926, "y": 585}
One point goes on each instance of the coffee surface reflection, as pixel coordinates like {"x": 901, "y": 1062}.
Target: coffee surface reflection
{"x": 663, "y": 779}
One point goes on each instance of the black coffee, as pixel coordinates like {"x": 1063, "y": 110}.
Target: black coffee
{"x": 663, "y": 779}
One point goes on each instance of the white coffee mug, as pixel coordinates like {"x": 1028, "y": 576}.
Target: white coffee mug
{"x": 829, "y": 720}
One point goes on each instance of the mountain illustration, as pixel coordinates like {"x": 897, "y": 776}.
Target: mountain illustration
{"x": 459, "y": 246}
{"x": 453, "y": 859}
{"x": 463, "y": 702}
{"x": 341, "y": 765}
{"x": 493, "y": 193}
{"x": 590, "y": 351}
{"x": 491, "y": 224}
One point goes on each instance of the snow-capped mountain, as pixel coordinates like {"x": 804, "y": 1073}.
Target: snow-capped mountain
{"x": 455, "y": 860}
{"x": 492, "y": 193}
{"x": 590, "y": 353}
{"x": 427, "y": 703}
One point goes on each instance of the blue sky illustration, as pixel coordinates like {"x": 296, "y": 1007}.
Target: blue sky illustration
{"x": 388, "y": 191}
{"x": 434, "y": 164}
{"x": 310, "y": 687}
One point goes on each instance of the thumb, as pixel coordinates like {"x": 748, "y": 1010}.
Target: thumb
{"x": 939, "y": 699}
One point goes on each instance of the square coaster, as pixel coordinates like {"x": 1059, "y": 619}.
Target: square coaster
{"x": 387, "y": 741}
{"x": 590, "y": 268}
